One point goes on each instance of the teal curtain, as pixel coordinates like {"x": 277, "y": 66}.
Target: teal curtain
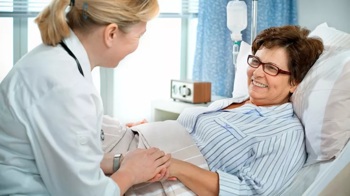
{"x": 213, "y": 56}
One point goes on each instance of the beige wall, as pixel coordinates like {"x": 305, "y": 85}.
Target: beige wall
{"x": 335, "y": 12}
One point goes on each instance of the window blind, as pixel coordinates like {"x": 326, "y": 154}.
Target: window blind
{"x": 31, "y": 8}
{"x": 190, "y": 6}
{"x": 21, "y": 8}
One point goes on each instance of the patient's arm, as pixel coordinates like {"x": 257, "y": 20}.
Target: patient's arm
{"x": 200, "y": 181}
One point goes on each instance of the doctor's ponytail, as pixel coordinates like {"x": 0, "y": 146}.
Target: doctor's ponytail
{"x": 55, "y": 22}
{"x": 52, "y": 22}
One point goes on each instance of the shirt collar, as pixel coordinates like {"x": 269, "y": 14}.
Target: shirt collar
{"x": 277, "y": 111}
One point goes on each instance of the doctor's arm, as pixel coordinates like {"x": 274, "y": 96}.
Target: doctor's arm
{"x": 107, "y": 163}
{"x": 141, "y": 157}
{"x": 138, "y": 165}
{"x": 68, "y": 153}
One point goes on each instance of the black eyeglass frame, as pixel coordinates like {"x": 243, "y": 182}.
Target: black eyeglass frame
{"x": 279, "y": 71}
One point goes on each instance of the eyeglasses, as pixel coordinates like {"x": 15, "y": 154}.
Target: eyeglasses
{"x": 268, "y": 68}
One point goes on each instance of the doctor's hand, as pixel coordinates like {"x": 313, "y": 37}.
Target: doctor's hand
{"x": 145, "y": 165}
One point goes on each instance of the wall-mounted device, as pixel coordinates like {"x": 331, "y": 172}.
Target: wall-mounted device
{"x": 191, "y": 91}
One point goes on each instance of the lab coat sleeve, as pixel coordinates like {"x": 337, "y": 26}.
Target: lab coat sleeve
{"x": 64, "y": 133}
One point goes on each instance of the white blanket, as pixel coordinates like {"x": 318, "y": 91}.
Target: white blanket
{"x": 168, "y": 136}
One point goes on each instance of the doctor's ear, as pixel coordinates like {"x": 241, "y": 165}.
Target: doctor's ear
{"x": 110, "y": 33}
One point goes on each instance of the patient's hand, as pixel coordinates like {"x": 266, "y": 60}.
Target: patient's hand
{"x": 162, "y": 175}
{"x": 136, "y": 123}
{"x": 173, "y": 168}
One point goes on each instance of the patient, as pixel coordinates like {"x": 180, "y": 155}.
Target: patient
{"x": 253, "y": 145}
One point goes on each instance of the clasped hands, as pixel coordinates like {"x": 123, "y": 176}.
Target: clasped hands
{"x": 148, "y": 165}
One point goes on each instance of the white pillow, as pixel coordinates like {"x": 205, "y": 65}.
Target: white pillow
{"x": 331, "y": 36}
{"x": 240, "y": 85}
{"x": 322, "y": 99}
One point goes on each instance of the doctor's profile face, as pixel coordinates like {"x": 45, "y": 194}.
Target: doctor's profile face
{"x": 265, "y": 89}
{"x": 125, "y": 43}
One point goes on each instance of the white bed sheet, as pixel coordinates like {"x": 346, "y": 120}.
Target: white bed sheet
{"x": 323, "y": 177}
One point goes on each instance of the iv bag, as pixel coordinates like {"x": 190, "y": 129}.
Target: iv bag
{"x": 236, "y": 18}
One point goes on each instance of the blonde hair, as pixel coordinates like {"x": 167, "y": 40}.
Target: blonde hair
{"x": 54, "y": 22}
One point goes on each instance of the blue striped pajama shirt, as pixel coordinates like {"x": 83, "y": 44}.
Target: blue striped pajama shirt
{"x": 255, "y": 150}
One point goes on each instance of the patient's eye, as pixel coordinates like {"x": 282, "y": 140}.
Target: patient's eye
{"x": 271, "y": 68}
{"x": 255, "y": 62}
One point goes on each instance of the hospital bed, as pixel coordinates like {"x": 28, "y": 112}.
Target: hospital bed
{"x": 323, "y": 178}
{"x": 321, "y": 101}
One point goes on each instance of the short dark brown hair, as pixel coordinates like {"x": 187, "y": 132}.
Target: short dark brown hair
{"x": 302, "y": 50}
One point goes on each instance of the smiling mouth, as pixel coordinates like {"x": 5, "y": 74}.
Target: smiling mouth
{"x": 255, "y": 83}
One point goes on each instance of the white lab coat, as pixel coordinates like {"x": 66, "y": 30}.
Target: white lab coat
{"x": 50, "y": 121}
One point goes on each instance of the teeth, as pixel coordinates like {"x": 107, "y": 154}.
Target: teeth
{"x": 259, "y": 84}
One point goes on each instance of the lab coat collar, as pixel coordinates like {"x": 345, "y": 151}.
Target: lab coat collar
{"x": 79, "y": 51}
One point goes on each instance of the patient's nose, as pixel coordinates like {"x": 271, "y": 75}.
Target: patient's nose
{"x": 259, "y": 71}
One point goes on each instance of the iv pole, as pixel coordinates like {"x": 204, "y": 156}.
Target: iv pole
{"x": 254, "y": 20}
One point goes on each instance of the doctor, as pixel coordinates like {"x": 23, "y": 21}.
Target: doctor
{"x": 50, "y": 112}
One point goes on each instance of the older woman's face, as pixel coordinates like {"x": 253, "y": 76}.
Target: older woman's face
{"x": 265, "y": 89}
